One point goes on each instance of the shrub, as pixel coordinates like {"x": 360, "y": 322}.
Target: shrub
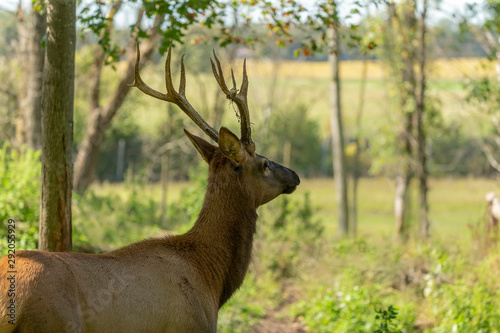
{"x": 20, "y": 172}
{"x": 344, "y": 309}
{"x": 183, "y": 213}
{"x": 462, "y": 308}
{"x": 292, "y": 127}
{"x": 247, "y": 307}
{"x": 287, "y": 232}
{"x": 105, "y": 221}
{"x": 387, "y": 318}
{"x": 467, "y": 299}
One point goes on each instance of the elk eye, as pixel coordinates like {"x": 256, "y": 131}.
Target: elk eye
{"x": 267, "y": 166}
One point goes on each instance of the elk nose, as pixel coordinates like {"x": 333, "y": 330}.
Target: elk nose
{"x": 294, "y": 182}
{"x": 296, "y": 178}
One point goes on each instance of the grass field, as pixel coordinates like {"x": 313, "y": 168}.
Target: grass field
{"x": 440, "y": 69}
{"x": 454, "y": 203}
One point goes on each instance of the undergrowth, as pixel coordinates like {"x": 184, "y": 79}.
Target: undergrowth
{"x": 20, "y": 172}
{"x": 432, "y": 288}
{"x": 107, "y": 221}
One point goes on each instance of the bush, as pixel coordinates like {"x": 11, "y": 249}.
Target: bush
{"x": 20, "y": 173}
{"x": 183, "y": 214}
{"x": 292, "y": 127}
{"x": 287, "y": 233}
{"x": 107, "y": 221}
{"x": 247, "y": 307}
{"x": 462, "y": 308}
{"x": 345, "y": 309}
{"x": 464, "y": 298}
{"x": 99, "y": 221}
{"x": 387, "y": 318}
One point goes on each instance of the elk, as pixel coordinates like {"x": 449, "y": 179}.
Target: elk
{"x": 172, "y": 284}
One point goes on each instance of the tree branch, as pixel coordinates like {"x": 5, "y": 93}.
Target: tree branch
{"x": 147, "y": 47}
{"x": 97, "y": 66}
{"x": 496, "y": 122}
{"x": 489, "y": 155}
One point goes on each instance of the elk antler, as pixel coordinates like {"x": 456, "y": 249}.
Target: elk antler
{"x": 239, "y": 98}
{"x": 172, "y": 96}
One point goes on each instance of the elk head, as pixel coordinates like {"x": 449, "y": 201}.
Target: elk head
{"x": 234, "y": 159}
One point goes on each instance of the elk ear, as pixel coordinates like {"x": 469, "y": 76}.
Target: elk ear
{"x": 205, "y": 148}
{"x": 231, "y": 147}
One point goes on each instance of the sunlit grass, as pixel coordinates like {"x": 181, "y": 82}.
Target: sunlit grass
{"x": 454, "y": 204}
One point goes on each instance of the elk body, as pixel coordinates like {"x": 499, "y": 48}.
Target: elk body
{"x": 173, "y": 284}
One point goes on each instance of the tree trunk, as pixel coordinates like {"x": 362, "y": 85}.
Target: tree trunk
{"x": 101, "y": 117}
{"x": 88, "y": 153}
{"x": 33, "y": 106}
{"x": 57, "y": 127}
{"x": 120, "y": 160}
{"x": 421, "y": 151}
{"x": 336, "y": 125}
{"x": 356, "y": 173}
{"x": 401, "y": 205}
{"x": 402, "y": 200}
{"x": 407, "y": 85}
{"x": 22, "y": 61}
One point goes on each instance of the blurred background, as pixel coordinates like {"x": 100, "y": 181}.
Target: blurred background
{"x": 394, "y": 227}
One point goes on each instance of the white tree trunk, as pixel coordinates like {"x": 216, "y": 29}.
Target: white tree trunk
{"x": 336, "y": 127}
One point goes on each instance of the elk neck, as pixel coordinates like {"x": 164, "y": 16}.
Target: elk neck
{"x": 223, "y": 233}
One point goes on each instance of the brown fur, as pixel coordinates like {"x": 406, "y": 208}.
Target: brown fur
{"x": 174, "y": 284}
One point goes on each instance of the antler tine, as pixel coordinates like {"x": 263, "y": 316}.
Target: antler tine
{"x": 219, "y": 75}
{"x": 239, "y": 98}
{"x": 182, "y": 84}
{"x": 246, "y": 130}
{"x": 172, "y": 96}
{"x": 244, "y": 83}
{"x": 139, "y": 83}
{"x": 234, "y": 81}
{"x": 168, "y": 75}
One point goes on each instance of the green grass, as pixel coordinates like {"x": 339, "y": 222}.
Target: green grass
{"x": 174, "y": 190}
{"x": 454, "y": 204}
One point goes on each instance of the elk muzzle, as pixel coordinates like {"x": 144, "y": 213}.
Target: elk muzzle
{"x": 288, "y": 177}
